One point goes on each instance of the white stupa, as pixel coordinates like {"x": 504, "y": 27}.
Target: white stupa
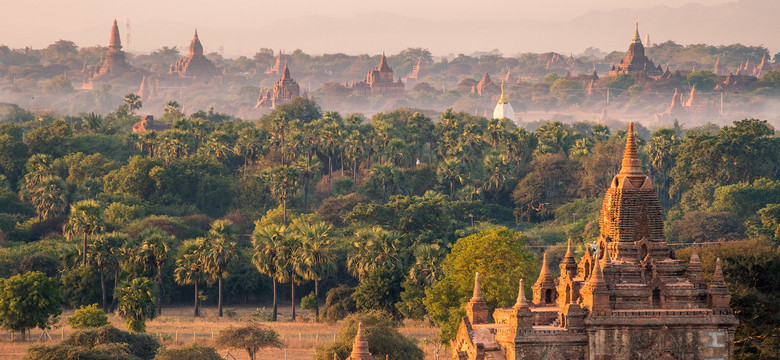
{"x": 504, "y": 108}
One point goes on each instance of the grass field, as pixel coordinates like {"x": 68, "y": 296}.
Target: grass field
{"x": 178, "y": 327}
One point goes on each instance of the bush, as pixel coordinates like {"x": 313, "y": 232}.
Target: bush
{"x": 99, "y": 352}
{"x": 88, "y": 317}
{"x": 110, "y": 338}
{"x": 380, "y": 290}
{"x": 191, "y": 352}
{"x": 251, "y": 338}
{"x": 703, "y": 226}
{"x": 309, "y": 302}
{"x": 381, "y": 332}
{"x": 44, "y": 263}
{"x": 81, "y": 286}
{"x": 338, "y": 304}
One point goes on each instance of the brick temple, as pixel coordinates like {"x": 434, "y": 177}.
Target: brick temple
{"x": 631, "y": 298}
{"x": 195, "y": 64}
{"x": 284, "y": 91}
{"x": 379, "y": 82}
{"x": 636, "y": 61}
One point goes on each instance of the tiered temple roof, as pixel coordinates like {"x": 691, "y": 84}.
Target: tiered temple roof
{"x": 284, "y": 91}
{"x": 195, "y": 64}
{"x": 636, "y": 61}
{"x": 631, "y": 298}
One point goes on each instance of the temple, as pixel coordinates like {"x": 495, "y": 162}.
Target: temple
{"x": 631, "y": 298}
{"x": 195, "y": 64}
{"x": 112, "y": 65}
{"x": 360, "y": 347}
{"x": 417, "y": 71}
{"x": 276, "y": 68}
{"x": 379, "y": 82}
{"x": 485, "y": 86}
{"x": 635, "y": 61}
{"x": 284, "y": 91}
{"x": 504, "y": 108}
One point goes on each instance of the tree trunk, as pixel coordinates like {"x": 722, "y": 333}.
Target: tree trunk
{"x": 341, "y": 158}
{"x": 284, "y": 211}
{"x": 220, "y": 297}
{"x": 354, "y": 171}
{"x": 113, "y": 300}
{"x": 316, "y": 301}
{"x": 452, "y": 186}
{"x": 159, "y": 289}
{"x": 103, "y": 288}
{"x": 273, "y": 315}
{"x": 197, "y": 310}
{"x": 292, "y": 284}
{"x": 306, "y": 193}
{"x": 85, "y": 249}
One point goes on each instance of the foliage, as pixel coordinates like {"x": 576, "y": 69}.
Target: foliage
{"x": 137, "y": 300}
{"x": 87, "y": 317}
{"x": 701, "y": 226}
{"x": 379, "y": 290}
{"x": 192, "y": 351}
{"x": 96, "y": 339}
{"x": 498, "y": 255}
{"x": 29, "y": 301}
{"x": 338, "y": 304}
{"x": 251, "y": 338}
{"x": 381, "y": 332}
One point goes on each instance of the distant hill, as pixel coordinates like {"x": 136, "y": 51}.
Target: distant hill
{"x": 751, "y": 22}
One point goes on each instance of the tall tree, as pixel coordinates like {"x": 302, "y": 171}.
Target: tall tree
{"x": 219, "y": 253}
{"x": 105, "y": 255}
{"x": 450, "y": 171}
{"x": 316, "y": 258}
{"x": 86, "y": 218}
{"x": 189, "y": 268}
{"x": 154, "y": 252}
{"x": 282, "y": 181}
{"x": 268, "y": 241}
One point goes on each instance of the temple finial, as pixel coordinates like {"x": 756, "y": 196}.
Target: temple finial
{"x": 502, "y": 99}
{"x": 521, "y": 302}
{"x": 631, "y": 165}
{"x": 477, "y": 291}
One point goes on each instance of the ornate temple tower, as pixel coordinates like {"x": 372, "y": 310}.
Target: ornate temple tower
{"x": 284, "y": 91}
{"x": 195, "y": 64}
{"x": 114, "y": 62}
{"x": 636, "y": 61}
{"x": 360, "y": 347}
{"x": 630, "y": 299}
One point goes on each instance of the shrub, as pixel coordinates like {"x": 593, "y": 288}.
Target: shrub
{"x": 88, "y": 317}
{"x": 309, "y": 302}
{"x": 381, "y": 332}
{"x": 251, "y": 338}
{"x": 338, "y": 304}
{"x": 191, "y": 352}
{"x": 380, "y": 290}
{"x": 108, "y": 337}
{"x": 703, "y": 226}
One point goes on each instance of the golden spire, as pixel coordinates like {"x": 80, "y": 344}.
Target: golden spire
{"x": 502, "y": 99}
{"x": 631, "y": 164}
{"x": 636, "y": 39}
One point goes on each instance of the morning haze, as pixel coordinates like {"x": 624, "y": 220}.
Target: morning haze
{"x": 241, "y": 27}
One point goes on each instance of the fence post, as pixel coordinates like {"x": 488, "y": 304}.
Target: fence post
{"x": 300, "y": 336}
{"x": 177, "y": 335}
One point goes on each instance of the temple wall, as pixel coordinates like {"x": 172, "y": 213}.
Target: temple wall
{"x": 661, "y": 342}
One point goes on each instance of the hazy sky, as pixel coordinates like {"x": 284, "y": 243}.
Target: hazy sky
{"x": 38, "y": 23}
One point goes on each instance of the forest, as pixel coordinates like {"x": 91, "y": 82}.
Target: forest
{"x": 344, "y": 214}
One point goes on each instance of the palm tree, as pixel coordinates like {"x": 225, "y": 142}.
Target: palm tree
{"x": 373, "y": 248}
{"x": 105, "y": 254}
{"x": 316, "y": 259}
{"x": 153, "y": 252}
{"x": 308, "y": 166}
{"x": 133, "y": 102}
{"x": 282, "y": 181}
{"x": 49, "y": 197}
{"x": 450, "y": 170}
{"x": 286, "y": 260}
{"x": 383, "y": 174}
{"x": 427, "y": 264}
{"x": 497, "y": 169}
{"x": 268, "y": 241}
{"x": 189, "y": 268}
{"x": 219, "y": 252}
{"x": 86, "y": 218}
{"x": 278, "y": 136}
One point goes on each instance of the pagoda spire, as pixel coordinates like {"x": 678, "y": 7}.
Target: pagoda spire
{"x": 115, "y": 43}
{"x": 360, "y": 346}
{"x": 637, "y": 38}
{"x": 286, "y": 72}
{"x": 521, "y": 302}
{"x": 196, "y": 48}
{"x": 631, "y": 165}
{"x": 503, "y": 99}
{"x": 477, "y": 295}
